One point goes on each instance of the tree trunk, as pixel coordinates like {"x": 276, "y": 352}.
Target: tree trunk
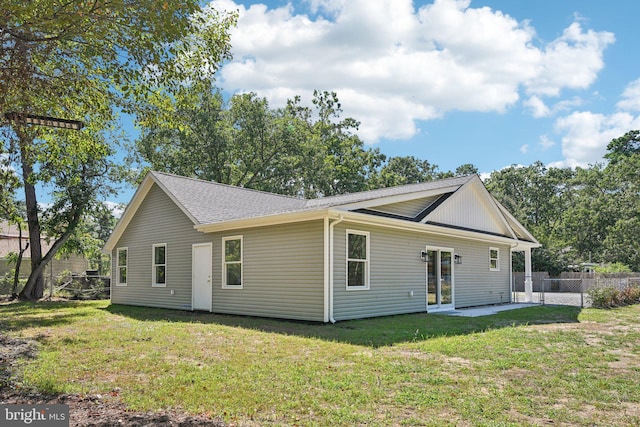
{"x": 34, "y": 288}
{"x": 39, "y": 270}
{"x": 16, "y": 275}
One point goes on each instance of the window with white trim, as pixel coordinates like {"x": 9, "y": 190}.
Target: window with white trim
{"x": 232, "y": 262}
{"x": 494, "y": 259}
{"x": 121, "y": 263}
{"x": 159, "y": 272}
{"x": 357, "y": 259}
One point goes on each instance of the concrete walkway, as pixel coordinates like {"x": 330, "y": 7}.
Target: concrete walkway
{"x": 486, "y": 310}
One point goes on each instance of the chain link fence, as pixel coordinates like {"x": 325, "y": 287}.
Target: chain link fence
{"x": 570, "y": 288}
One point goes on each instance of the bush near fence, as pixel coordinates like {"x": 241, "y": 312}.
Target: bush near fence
{"x": 590, "y": 281}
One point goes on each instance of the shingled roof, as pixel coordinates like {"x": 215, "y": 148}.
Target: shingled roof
{"x": 210, "y": 205}
{"x": 207, "y": 202}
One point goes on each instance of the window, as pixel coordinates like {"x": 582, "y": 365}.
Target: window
{"x": 121, "y": 263}
{"x": 357, "y": 259}
{"x": 159, "y": 265}
{"x": 494, "y": 259}
{"x": 232, "y": 262}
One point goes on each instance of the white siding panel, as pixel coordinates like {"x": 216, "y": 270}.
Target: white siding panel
{"x": 467, "y": 208}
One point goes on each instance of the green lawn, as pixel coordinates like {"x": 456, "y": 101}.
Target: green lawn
{"x": 536, "y": 366}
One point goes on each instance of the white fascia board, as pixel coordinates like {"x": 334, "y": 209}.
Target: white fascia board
{"x": 508, "y": 214}
{"x": 128, "y": 213}
{"x": 262, "y": 221}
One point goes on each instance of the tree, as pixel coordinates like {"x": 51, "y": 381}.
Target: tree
{"x": 12, "y": 212}
{"x": 624, "y": 146}
{"x": 406, "y": 170}
{"x": 83, "y": 60}
{"x": 538, "y": 197}
{"x": 245, "y": 142}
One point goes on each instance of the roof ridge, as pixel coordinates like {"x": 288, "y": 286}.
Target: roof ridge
{"x": 235, "y": 187}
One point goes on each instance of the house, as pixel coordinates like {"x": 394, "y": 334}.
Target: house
{"x": 189, "y": 244}
{"x": 10, "y": 242}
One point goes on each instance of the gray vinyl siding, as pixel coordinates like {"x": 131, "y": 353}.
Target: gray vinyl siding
{"x": 157, "y": 220}
{"x": 475, "y": 284}
{"x": 396, "y": 269}
{"x": 283, "y": 266}
{"x": 283, "y": 272}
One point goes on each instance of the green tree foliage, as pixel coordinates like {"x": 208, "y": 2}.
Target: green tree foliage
{"x": 85, "y": 60}
{"x": 406, "y": 170}
{"x": 586, "y": 214}
{"x": 292, "y": 150}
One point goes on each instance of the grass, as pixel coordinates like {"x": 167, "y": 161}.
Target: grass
{"x": 534, "y": 366}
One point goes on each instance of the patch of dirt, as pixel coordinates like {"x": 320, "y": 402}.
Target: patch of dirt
{"x": 84, "y": 410}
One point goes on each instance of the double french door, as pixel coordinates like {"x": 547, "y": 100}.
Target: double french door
{"x": 439, "y": 279}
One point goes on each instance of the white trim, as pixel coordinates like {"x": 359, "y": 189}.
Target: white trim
{"x": 441, "y": 307}
{"x": 154, "y": 265}
{"x": 118, "y": 266}
{"x": 225, "y": 263}
{"x": 367, "y": 261}
{"x": 208, "y": 245}
{"x": 497, "y": 258}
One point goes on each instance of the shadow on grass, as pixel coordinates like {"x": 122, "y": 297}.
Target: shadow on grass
{"x": 373, "y": 332}
{"x": 16, "y": 316}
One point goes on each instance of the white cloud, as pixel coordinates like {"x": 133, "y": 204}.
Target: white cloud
{"x": 587, "y": 134}
{"x": 537, "y": 107}
{"x": 546, "y": 143}
{"x": 571, "y": 61}
{"x": 524, "y": 149}
{"x": 393, "y": 65}
{"x": 630, "y": 97}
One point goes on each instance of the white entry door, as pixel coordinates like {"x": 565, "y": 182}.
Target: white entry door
{"x": 201, "y": 287}
{"x": 440, "y": 281}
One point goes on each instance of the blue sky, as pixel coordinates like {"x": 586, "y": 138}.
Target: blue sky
{"x": 488, "y": 82}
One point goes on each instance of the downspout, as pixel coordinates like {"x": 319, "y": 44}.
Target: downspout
{"x": 331, "y": 227}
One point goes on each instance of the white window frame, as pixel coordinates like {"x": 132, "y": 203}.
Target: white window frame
{"x": 154, "y": 265}
{"x": 225, "y": 262}
{"x": 118, "y": 266}
{"x": 367, "y": 284}
{"x": 497, "y": 259}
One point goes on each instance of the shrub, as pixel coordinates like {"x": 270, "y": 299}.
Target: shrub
{"x": 609, "y": 297}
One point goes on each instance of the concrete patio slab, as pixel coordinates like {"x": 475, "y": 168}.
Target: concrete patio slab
{"x": 486, "y": 310}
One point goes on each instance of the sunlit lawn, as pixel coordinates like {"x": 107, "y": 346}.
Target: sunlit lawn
{"x": 534, "y": 366}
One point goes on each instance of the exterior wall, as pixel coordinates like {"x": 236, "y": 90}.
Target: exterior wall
{"x": 283, "y": 269}
{"x": 475, "y": 284}
{"x": 158, "y": 220}
{"x": 396, "y": 269}
{"x": 283, "y": 266}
